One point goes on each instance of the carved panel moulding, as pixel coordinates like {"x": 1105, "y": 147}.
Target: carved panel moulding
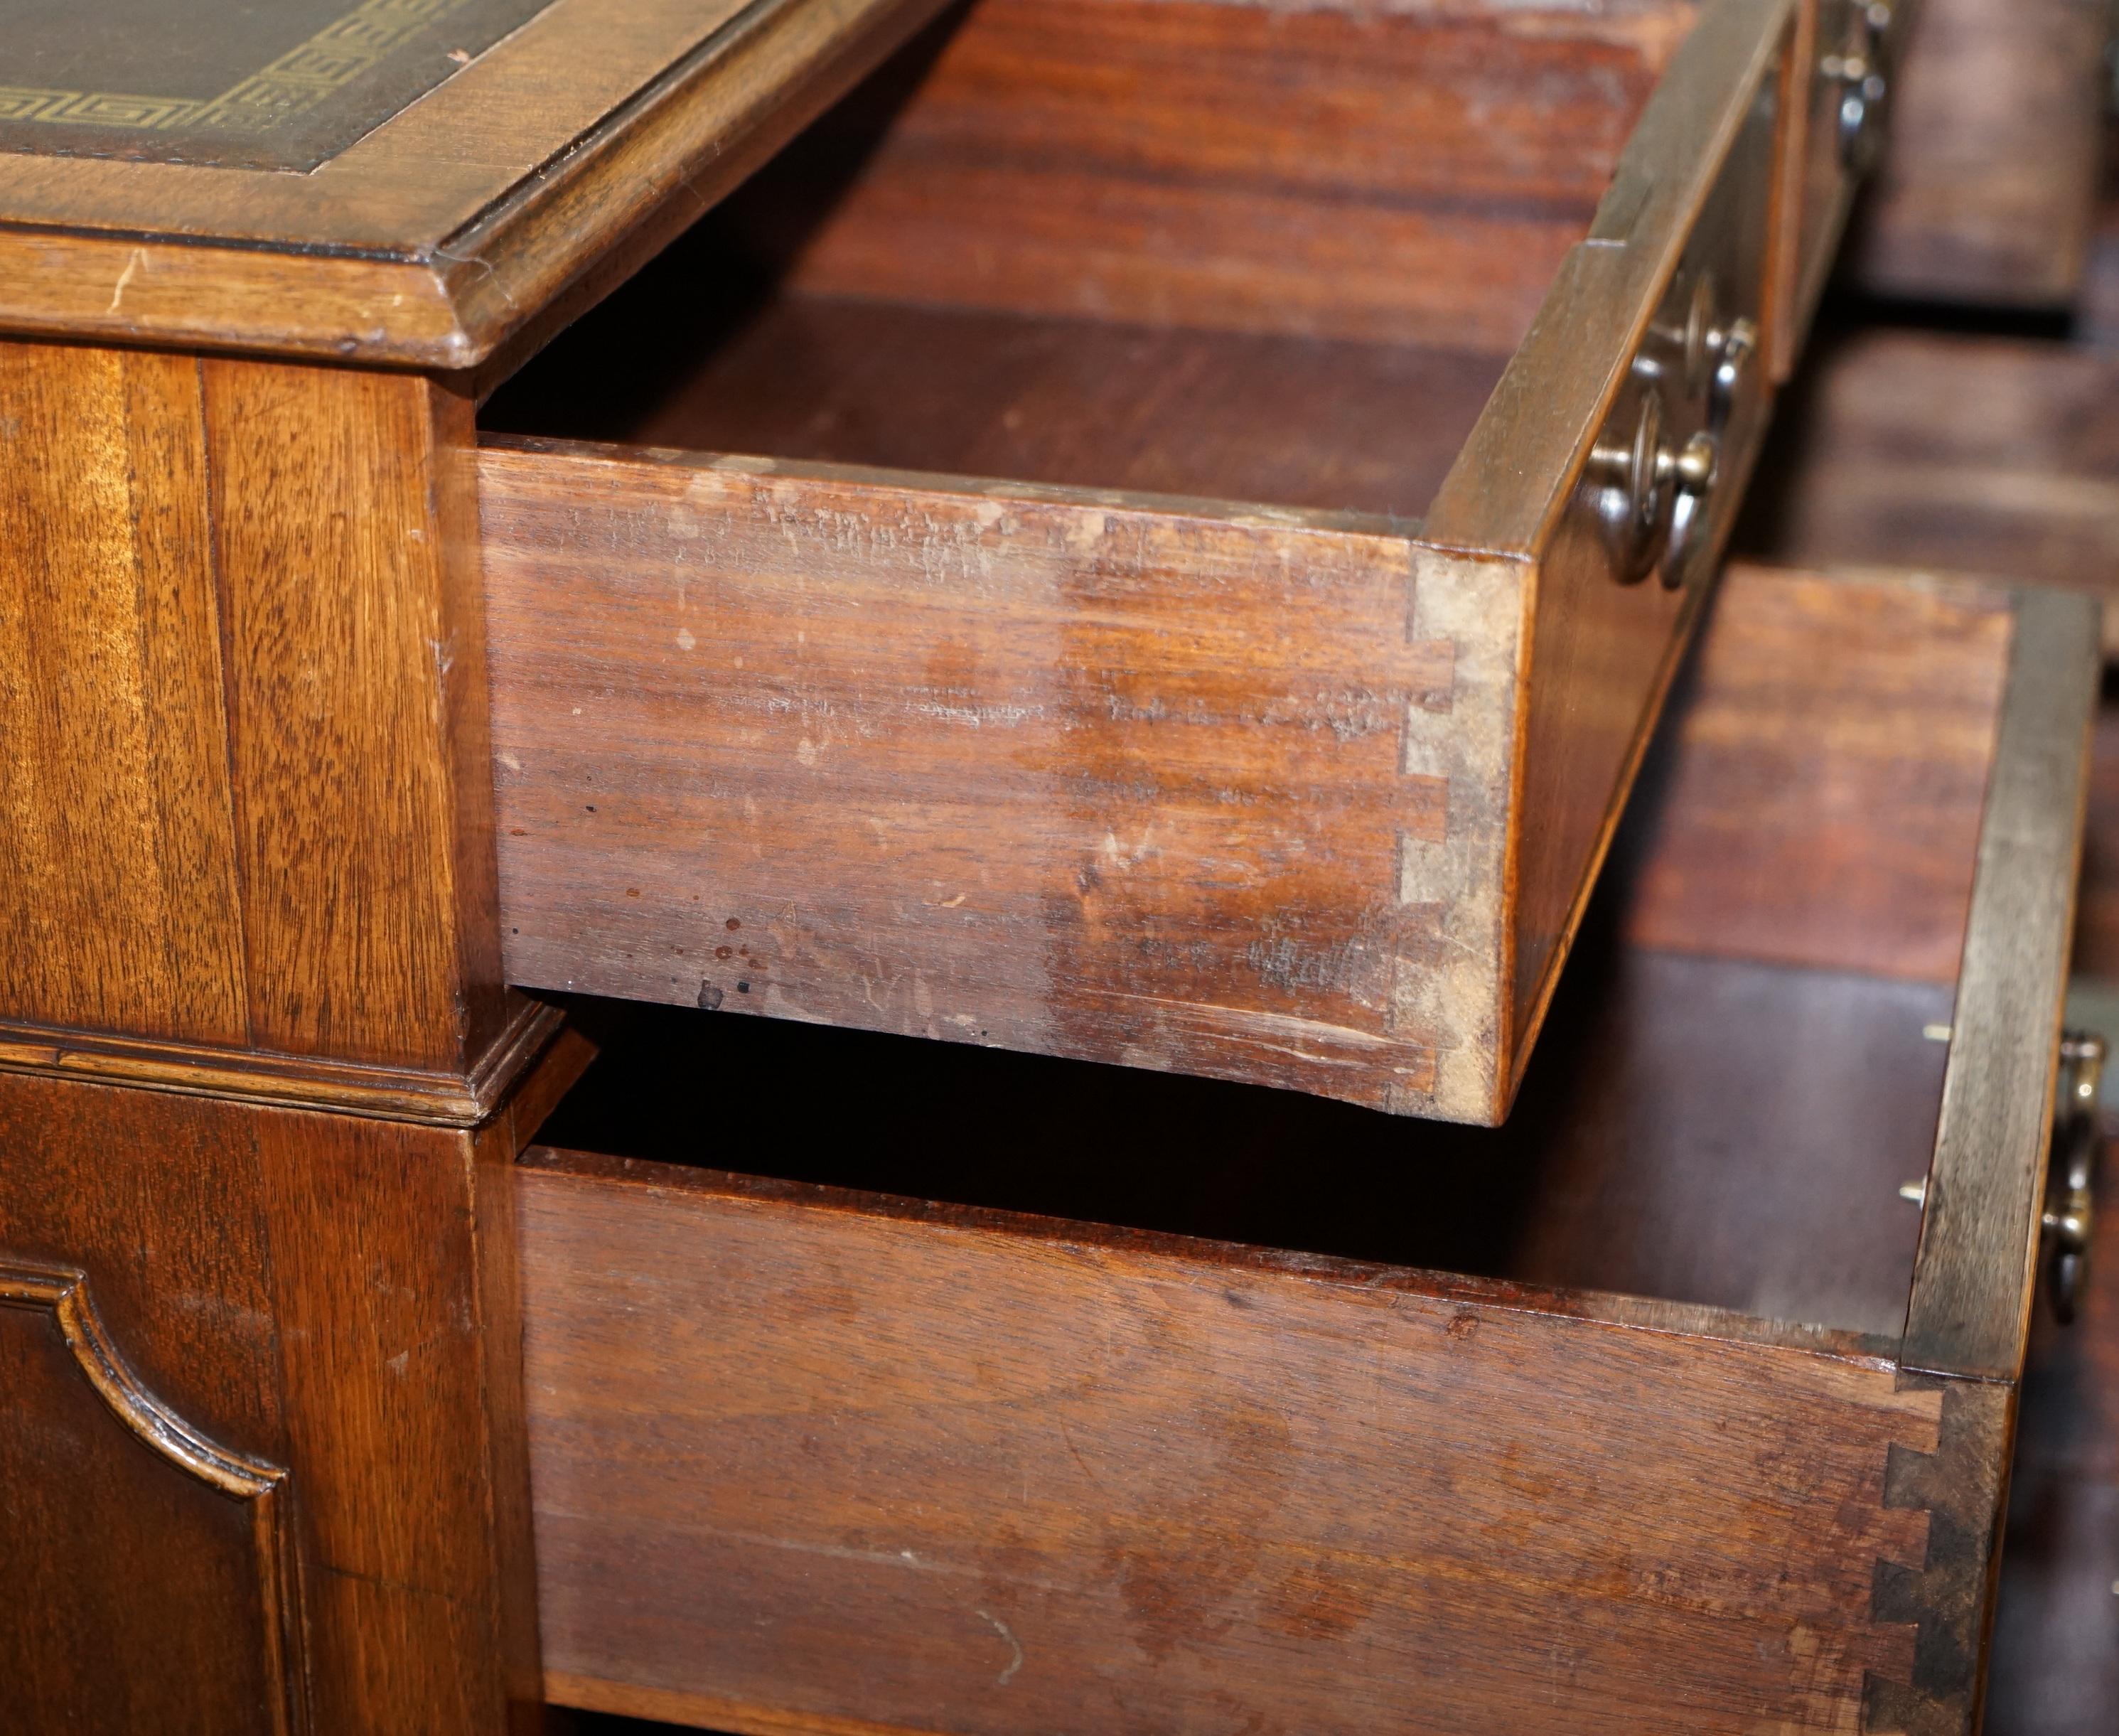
{"x": 62, "y": 1291}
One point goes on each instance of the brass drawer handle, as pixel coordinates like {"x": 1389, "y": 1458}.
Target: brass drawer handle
{"x": 1651, "y": 490}
{"x": 1693, "y": 470}
{"x": 2070, "y": 1200}
{"x": 1732, "y": 348}
{"x": 1630, "y": 481}
{"x": 1652, "y": 497}
{"x": 1717, "y": 353}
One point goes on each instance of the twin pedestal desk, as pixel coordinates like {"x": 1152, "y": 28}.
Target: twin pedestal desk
{"x": 1230, "y": 1135}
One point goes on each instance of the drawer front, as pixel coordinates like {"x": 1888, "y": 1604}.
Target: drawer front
{"x": 1980, "y": 1224}
{"x": 1625, "y": 573}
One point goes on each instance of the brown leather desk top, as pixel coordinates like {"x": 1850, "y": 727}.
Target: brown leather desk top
{"x": 397, "y": 181}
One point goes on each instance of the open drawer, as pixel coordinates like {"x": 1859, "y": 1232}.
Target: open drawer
{"x": 1154, "y": 533}
{"x": 1198, "y": 1407}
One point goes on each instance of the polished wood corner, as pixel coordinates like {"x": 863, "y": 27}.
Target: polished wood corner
{"x": 249, "y": 842}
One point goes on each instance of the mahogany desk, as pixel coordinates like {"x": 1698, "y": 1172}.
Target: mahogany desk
{"x": 1149, "y": 546}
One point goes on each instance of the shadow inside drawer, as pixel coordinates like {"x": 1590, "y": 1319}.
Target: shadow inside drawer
{"x": 1740, "y": 1070}
{"x": 1692, "y": 1129}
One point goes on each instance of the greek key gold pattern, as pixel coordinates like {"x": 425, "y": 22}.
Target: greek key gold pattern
{"x": 294, "y": 84}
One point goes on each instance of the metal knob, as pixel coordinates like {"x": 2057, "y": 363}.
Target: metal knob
{"x": 1864, "y": 90}
{"x": 1717, "y": 352}
{"x": 1629, "y": 485}
{"x": 1651, "y": 496}
{"x": 1732, "y": 347}
{"x": 2071, "y": 1200}
{"x": 1692, "y": 471}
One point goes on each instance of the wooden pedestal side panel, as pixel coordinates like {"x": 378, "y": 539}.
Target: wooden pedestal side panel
{"x": 345, "y": 539}
{"x": 246, "y": 839}
{"x": 962, "y": 1473}
{"x": 262, "y": 1444}
{"x": 120, "y": 902}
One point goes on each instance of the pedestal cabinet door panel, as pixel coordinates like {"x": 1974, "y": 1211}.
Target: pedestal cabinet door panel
{"x": 148, "y": 1572}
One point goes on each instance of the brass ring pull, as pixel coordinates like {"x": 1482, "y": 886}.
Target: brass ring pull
{"x": 1632, "y": 482}
{"x": 1717, "y": 353}
{"x": 1733, "y": 348}
{"x": 1692, "y": 471}
{"x": 1651, "y": 498}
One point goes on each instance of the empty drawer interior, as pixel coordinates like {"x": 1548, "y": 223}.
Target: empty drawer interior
{"x": 1252, "y": 253}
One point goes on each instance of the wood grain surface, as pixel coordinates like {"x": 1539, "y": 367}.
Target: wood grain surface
{"x": 120, "y": 899}
{"x": 1619, "y": 1170}
{"x": 1986, "y": 192}
{"x": 1281, "y": 420}
{"x": 1069, "y": 1479}
{"x": 1950, "y": 452}
{"x": 315, "y": 1295}
{"x": 246, "y": 780}
{"x": 1973, "y": 1283}
{"x": 356, "y": 688}
{"x": 1407, "y": 174}
{"x": 1176, "y": 786}
{"x": 1819, "y": 799}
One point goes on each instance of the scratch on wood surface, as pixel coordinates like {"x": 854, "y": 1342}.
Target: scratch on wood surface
{"x": 1014, "y": 1645}
{"x": 133, "y": 261}
{"x": 1282, "y": 1024}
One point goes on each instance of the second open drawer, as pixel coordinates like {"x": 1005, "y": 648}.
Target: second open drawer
{"x": 1155, "y": 534}
{"x": 878, "y": 1385}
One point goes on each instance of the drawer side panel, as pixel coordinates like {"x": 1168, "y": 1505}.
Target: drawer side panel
{"x": 799, "y": 1464}
{"x": 1178, "y": 788}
